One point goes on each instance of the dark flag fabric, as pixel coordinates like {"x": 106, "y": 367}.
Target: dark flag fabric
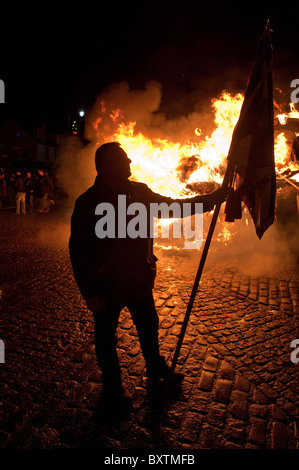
{"x": 251, "y": 155}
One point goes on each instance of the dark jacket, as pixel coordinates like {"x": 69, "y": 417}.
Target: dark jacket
{"x": 30, "y": 185}
{"x": 19, "y": 184}
{"x": 118, "y": 267}
{"x": 43, "y": 185}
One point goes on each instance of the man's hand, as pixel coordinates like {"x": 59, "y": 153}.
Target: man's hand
{"x": 97, "y": 304}
{"x": 219, "y": 195}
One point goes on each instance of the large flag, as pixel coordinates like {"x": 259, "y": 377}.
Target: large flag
{"x": 251, "y": 153}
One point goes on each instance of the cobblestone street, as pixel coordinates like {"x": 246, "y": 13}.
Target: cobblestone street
{"x": 241, "y": 389}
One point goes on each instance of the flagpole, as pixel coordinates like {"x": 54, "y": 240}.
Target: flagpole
{"x": 225, "y": 185}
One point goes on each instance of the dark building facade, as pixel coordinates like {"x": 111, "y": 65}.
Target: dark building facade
{"x": 23, "y": 149}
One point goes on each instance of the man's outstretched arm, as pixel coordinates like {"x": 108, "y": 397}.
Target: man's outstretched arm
{"x": 208, "y": 200}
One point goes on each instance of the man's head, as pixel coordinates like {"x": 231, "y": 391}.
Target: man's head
{"x": 112, "y": 161}
{"x": 40, "y": 172}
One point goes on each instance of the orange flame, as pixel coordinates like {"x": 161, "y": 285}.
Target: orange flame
{"x": 155, "y": 161}
{"x": 158, "y": 162}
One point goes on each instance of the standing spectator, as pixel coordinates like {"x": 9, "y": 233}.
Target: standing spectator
{"x": 30, "y": 186}
{"x": 3, "y": 188}
{"x": 43, "y": 189}
{"x": 51, "y": 190}
{"x": 20, "y": 193}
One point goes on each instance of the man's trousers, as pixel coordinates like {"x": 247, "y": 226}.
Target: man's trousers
{"x": 20, "y": 203}
{"x": 146, "y": 321}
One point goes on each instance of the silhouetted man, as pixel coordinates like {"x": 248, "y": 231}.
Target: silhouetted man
{"x": 30, "y": 188}
{"x": 119, "y": 271}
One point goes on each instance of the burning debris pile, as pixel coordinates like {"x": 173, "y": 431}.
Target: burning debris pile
{"x": 170, "y": 166}
{"x": 172, "y": 157}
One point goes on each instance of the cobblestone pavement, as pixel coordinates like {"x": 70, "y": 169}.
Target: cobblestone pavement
{"x": 240, "y": 390}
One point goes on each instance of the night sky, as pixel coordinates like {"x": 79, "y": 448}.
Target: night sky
{"x": 57, "y": 58}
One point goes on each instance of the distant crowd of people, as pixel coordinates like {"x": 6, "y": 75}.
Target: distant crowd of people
{"x": 31, "y": 191}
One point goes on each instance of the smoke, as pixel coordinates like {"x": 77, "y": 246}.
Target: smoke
{"x": 277, "y": 250}
{"x": 118, "y": 103}
{"x": 144, "y": 108}
{"x": 122, "y": 103}
{"x": 275, "y": 255}
{"x": 76, "y": 170}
